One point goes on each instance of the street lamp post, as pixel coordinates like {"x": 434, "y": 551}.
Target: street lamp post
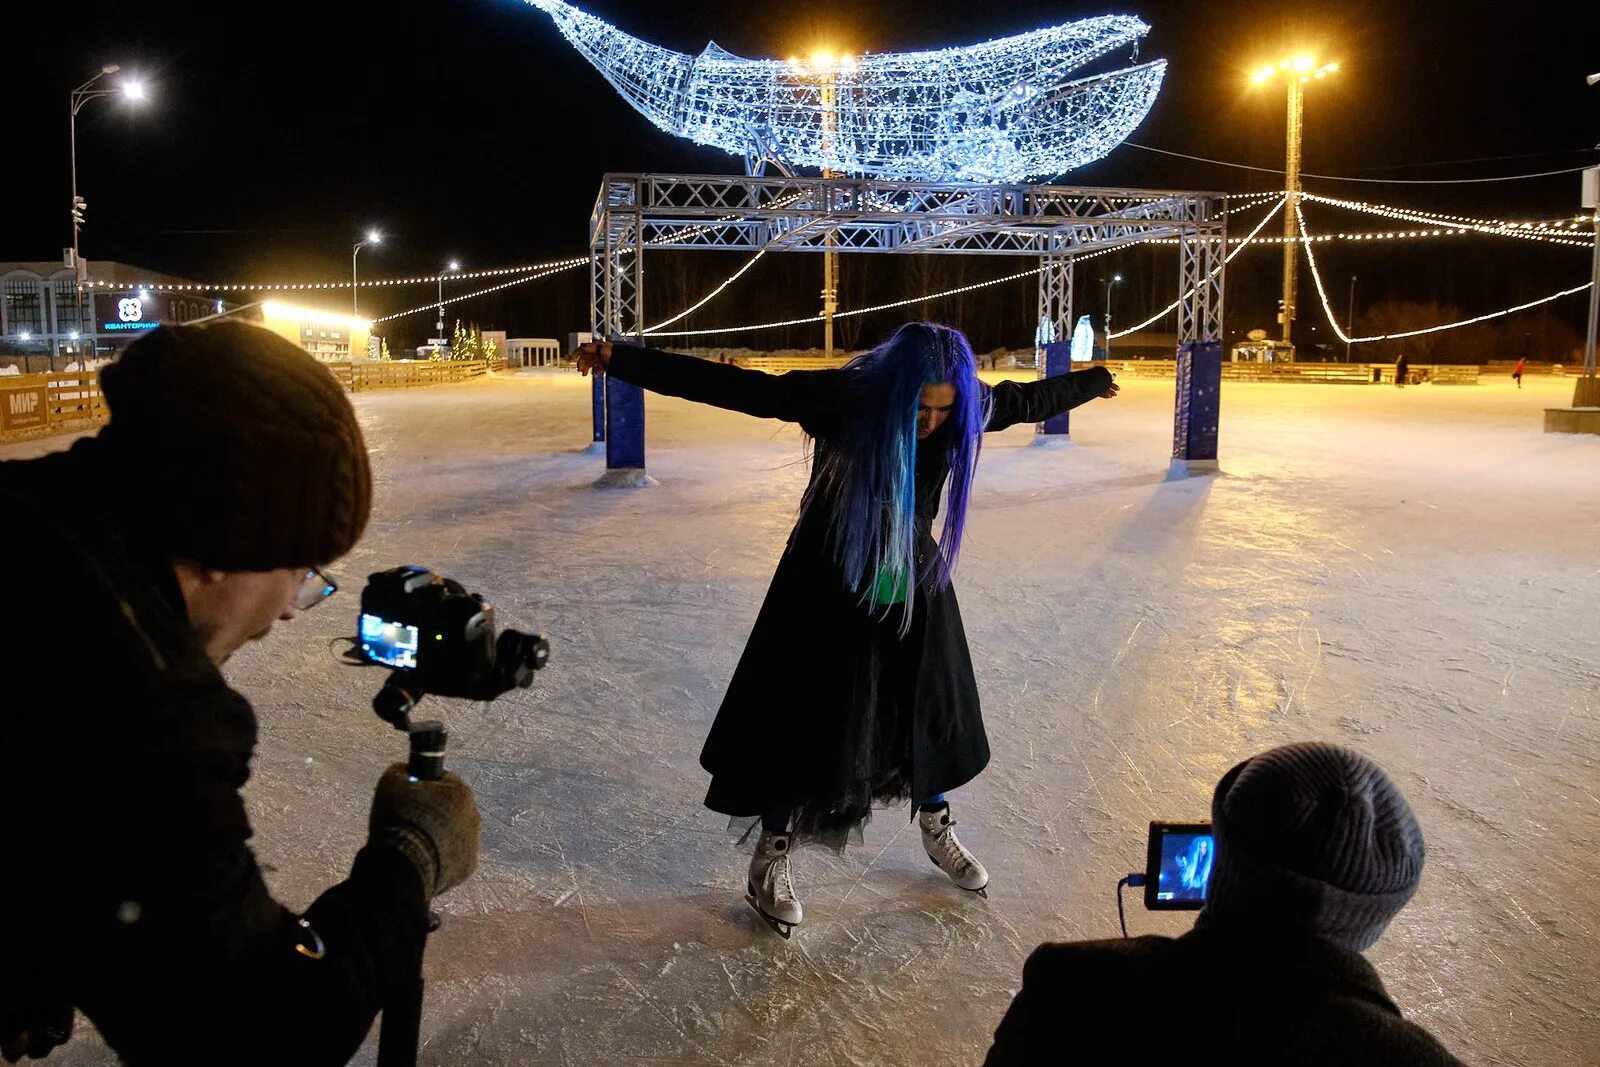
{"x": 1587, "y": 394}
{"x": 1296, "y": 73}
{"x": 373, "y": 238}
{"x": 828, "y": 68}
{"x": 1350, "y": 319}
{"x": 439, "y": 326}
{"x": 132, "y": 89}
{"x": 1113, "y": 280}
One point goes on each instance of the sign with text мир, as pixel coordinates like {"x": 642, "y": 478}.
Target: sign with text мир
{"x": 23, "y": 407}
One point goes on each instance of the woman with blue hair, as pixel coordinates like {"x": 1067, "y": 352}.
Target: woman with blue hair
{"x": 856, "y": 685}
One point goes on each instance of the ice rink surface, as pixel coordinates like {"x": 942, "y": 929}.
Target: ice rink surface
{"x": 1415, "y": 573}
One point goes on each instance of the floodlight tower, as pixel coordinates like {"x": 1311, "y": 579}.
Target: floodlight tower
{"x": 1296, "y": 72}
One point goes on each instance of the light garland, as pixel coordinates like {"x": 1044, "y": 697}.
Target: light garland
{"x": 375, "y": 283}
{"x": 1327, "y": 309}
{"x": 1007, "y": 110}
{"x": 1537, "y": 231}
{"x": 434, "y": 304}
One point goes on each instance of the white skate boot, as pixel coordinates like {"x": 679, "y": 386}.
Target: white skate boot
{"x": 771, "y": 885}
{"x": 949, "y": 854}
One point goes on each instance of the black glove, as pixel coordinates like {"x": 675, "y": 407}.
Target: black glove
{"x": 433, "y": 824}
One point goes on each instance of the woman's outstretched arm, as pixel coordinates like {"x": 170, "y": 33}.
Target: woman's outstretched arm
{"x": 1016, "y": 402}
{"x": 805, "y": 397}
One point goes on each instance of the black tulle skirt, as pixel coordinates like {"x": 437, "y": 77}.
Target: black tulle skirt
{"x": 873, "y": 764}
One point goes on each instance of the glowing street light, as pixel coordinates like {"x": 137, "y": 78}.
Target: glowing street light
{"x": 1113, "y": 280}
{"x": 373, "y": 238}
{"x": 133, "y": 90}
{"x": 1295, "y": 72}
{"x": 827, "y": 67}
{"x": 439, "y": 326}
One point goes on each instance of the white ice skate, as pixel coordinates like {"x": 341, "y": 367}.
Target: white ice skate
{"x": 771, "y": 886}
{"x": 949, "y": 854}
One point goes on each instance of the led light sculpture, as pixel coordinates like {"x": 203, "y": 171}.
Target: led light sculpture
{"x": 1009, "y": 110}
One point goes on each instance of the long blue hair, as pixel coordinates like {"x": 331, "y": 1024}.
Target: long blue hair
{"x": 866, "y": 482}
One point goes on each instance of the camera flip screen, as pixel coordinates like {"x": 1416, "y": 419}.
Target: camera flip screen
{"x": 391, "y": 643}
{"x": 1179, "y": 865}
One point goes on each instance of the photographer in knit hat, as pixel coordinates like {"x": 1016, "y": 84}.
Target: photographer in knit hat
{"x": 231, "y": 472}
{"x": 1316, "y": 851}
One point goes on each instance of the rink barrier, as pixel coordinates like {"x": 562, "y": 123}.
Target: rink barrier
{"x": 35, "y": 405}
{"x": 387, "y": 374}
{"x": 39, "y": 404}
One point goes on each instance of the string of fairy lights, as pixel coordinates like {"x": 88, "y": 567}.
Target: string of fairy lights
{"x": 1570, "y": 231}
{"x": 1327, "y": 309}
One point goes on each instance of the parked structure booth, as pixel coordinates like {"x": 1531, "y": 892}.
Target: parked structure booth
{"x": 533, "y": 352}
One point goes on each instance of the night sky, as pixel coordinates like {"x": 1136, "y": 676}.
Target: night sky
{"x": 470, "y": 129}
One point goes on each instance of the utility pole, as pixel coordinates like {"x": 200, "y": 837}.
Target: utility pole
{"x": 1587, "y": 393}
{"x": 830, "y": 258}
{"x": 1291, "y": 214}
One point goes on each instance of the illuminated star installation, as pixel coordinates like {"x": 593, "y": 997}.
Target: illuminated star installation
{"x": 1008, "y": 110}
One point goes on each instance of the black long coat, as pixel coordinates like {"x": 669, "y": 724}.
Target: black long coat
{"x": 791, "y": 729}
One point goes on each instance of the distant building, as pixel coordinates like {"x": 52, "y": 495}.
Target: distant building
{"x": 47, "y": 321}
{"x": 533, "y": 352}
{"x": 328, "y": 335}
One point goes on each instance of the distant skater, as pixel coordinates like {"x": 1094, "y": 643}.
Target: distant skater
{"x": 1402, "y": 370}
{"x": 1516, "y": 372}
{"x": 856, "y": 683}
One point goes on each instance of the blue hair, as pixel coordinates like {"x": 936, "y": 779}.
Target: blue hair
{"x": 867, "y": 474}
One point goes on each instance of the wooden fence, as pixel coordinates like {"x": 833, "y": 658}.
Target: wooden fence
{"x": 33, "y": 405}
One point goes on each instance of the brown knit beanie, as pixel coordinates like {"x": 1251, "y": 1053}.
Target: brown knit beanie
{"x": 241, "y": 449}
{"x": 1315, "y": 839}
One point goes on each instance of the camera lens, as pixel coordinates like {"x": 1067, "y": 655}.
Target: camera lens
{"x": 518, "y": 655}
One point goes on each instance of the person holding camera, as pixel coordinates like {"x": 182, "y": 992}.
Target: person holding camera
{"x": 856, "y": 684}
{"x": 1316, "y": 851}
{"x": 231, "y": 471}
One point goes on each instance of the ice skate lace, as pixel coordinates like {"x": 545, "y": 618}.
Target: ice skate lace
{"x": 779, "y": 877}
{"x": 955, "y": 857}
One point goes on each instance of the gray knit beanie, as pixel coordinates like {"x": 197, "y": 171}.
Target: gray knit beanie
{"x": 1311, "y": 839}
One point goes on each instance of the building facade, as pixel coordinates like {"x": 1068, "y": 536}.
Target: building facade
{"x": 48, "y": 321}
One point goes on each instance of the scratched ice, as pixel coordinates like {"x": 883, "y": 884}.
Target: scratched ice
{"x": 1413, "y": 573}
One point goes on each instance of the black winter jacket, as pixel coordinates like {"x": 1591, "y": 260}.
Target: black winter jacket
{"x": 1207, "y": 997}
{"x": 129, "y": 889}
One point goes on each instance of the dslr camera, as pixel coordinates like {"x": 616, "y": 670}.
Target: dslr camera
{"x": 439, "y": 639}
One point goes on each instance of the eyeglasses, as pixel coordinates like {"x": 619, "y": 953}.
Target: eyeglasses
{"x": 315, "y": 587}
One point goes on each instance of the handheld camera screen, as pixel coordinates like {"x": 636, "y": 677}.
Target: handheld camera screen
{"x": 1179, "y": 865}
{"x": 391, "y": 643}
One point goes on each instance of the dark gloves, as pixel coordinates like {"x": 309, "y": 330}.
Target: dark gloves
{"x": 433, "y": 824}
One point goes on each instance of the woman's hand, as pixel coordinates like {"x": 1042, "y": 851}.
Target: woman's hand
{"x": 593, "y": 356}
{"x": 1111, "y": 390}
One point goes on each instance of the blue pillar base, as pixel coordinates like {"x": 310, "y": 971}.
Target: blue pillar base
{"x": 597, "y": 398}
{"x": 624, "y": 426}
{"x": 1057, "y": 361}
{"x": 1196, "y": 417}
